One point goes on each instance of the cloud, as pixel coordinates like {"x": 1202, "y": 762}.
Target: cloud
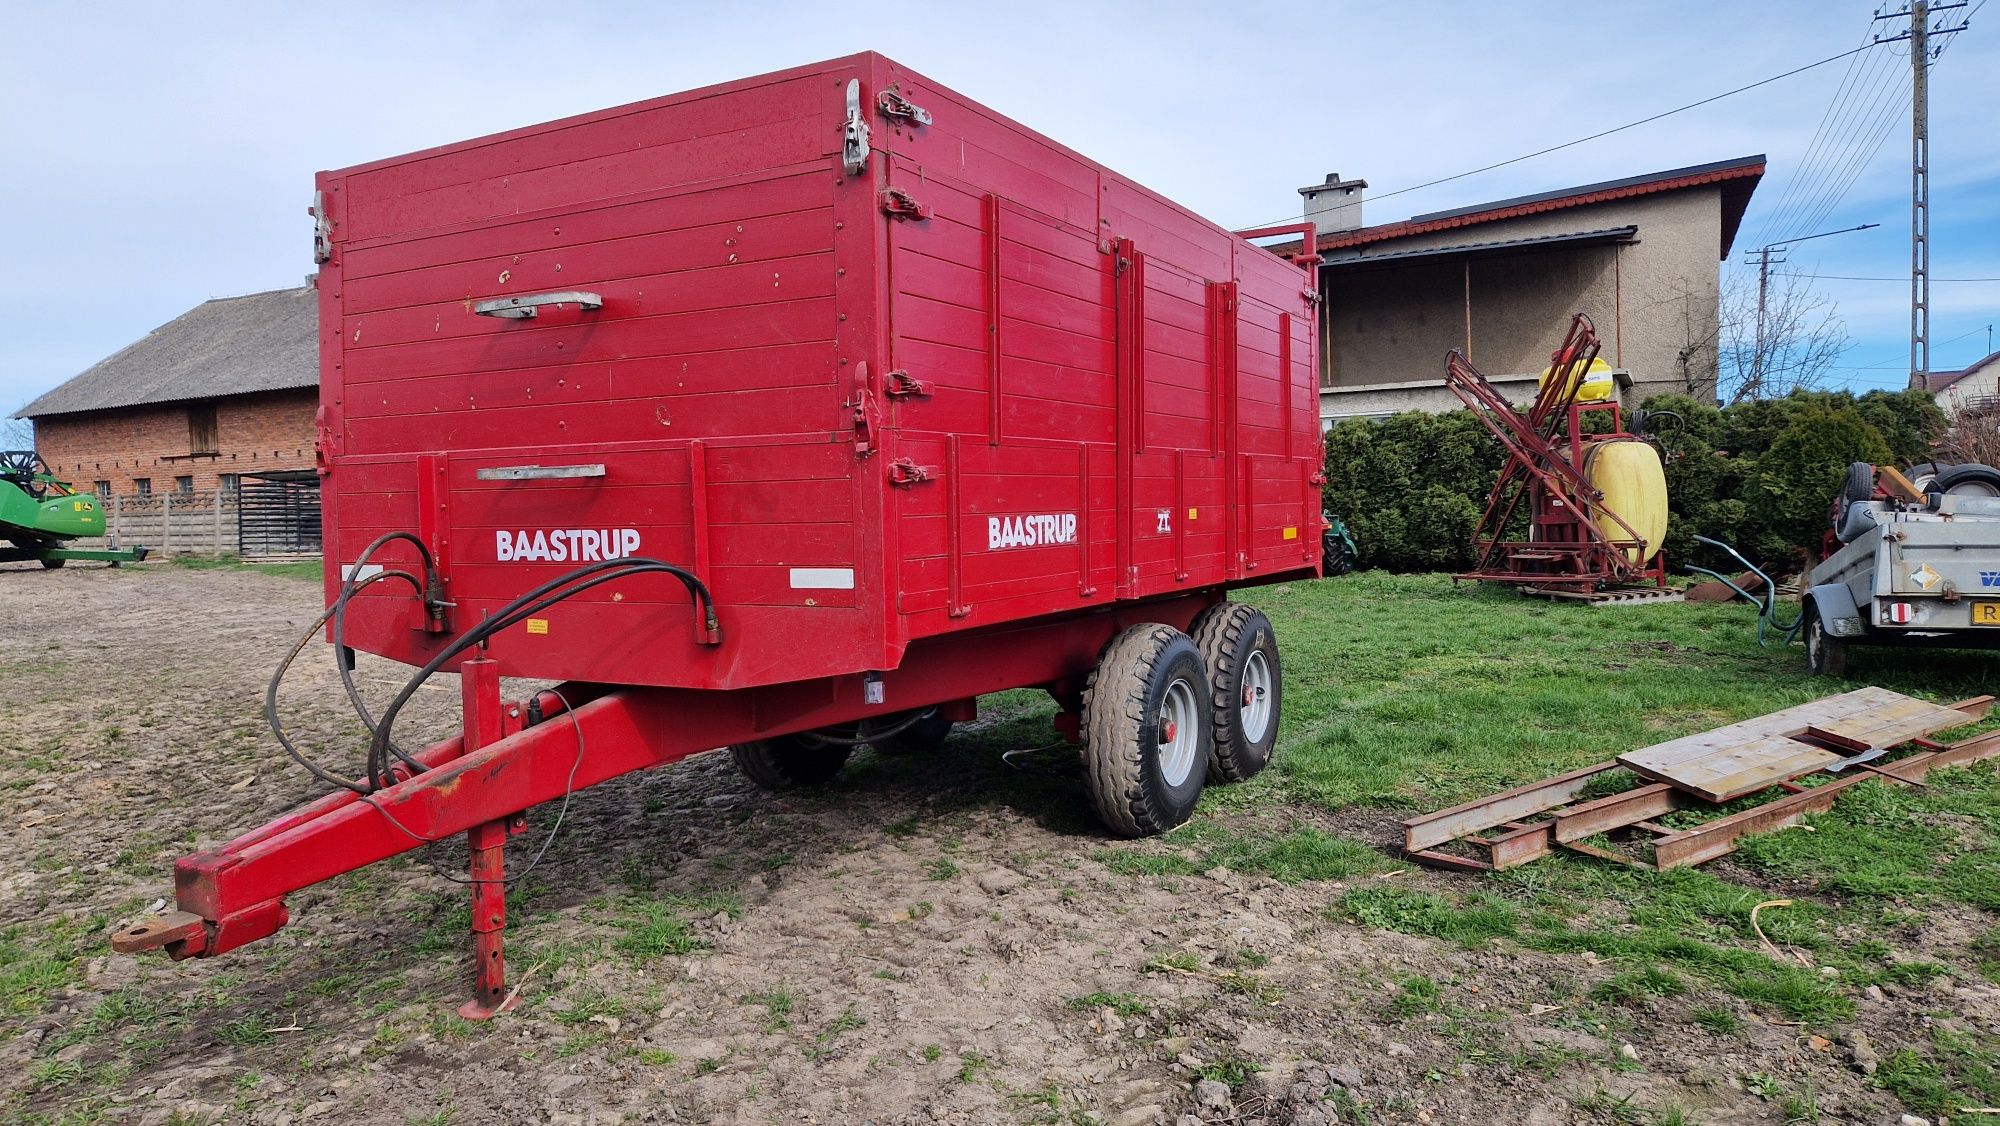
{"x": 159, "y": 155}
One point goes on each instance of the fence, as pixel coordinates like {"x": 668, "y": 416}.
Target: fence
{"x": 264, "y": 519}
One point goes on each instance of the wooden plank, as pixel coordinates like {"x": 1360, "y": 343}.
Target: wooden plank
{"x": 1790, "y": 721}
{"x": 1719, "y": 837}
{"x": 1889, "y": 726}
{"x": 1743, "y": 758}
{"x": 1433, "y": 829}
{"x": 1731, "y": 772}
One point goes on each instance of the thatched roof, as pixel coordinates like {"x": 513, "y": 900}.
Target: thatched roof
{"x": 228, "y": 346}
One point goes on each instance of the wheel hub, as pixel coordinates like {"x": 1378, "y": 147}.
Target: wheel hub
{"x": 1179, "y": 734}
{"x": 1254, "y": 713}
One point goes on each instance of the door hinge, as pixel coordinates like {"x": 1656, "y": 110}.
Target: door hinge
{"x": 854, "y": 144}
{"x": 893, "y": 104}
{"x": 905, "y": 472}
{"x": 1317, "y": 479}
{"x": 322, "y": 228}
{"x": 901, "y": 384}
{"x": 902, "y": 205}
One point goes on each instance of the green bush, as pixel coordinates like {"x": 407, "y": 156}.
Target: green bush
{"x": 1759, "y": 475}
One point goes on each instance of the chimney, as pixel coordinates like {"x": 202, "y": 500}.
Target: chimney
{"x": 1334, "y": 205}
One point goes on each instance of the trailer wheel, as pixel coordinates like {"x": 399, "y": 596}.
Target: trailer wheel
{"x": 1860, "y": 484}
{"x": 1969, "y": 479}
{"x": 54, "y": 564}
{"x": 789, "y": 761}
{"x": 926, "y": 733}
{"x": 1147, "y": 731}
{"x": 1241, "y": 651}
{"x": 1826, "y": 655}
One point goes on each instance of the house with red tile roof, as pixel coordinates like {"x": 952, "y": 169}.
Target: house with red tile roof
{"x": 1499, "y": 281}
{"x": 1974, "y": 388}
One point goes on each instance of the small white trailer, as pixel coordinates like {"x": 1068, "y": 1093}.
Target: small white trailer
{"x": 1918, "y": 564}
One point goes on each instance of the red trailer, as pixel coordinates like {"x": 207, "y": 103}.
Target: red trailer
{"x": 785, "y": 415}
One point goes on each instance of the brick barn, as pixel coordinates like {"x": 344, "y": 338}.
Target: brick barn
{"x": 222, "y": 392}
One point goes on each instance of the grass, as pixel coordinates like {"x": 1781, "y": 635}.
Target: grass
{"x": 778, "y": 1003}
{"x": 1299, "y": 855}
{"x": 1408, "y": 692}
{"x": 1416, "y": 996}
{"x": 1124, "y": 1004}
{"x": 309, "y": 570}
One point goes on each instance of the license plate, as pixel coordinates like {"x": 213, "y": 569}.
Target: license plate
{"x": 1986, "y": 612}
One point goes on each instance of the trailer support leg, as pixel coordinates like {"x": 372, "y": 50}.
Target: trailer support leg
{"x": 489, "y": 921}
{"x": 479, "y": 682}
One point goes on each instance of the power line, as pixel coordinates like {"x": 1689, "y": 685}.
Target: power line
{"x": 1870, "y": 128}
{"x": 1814, "y": 165}
{"x": 1855, "y": 277}
{"x": 1598, "y": 135}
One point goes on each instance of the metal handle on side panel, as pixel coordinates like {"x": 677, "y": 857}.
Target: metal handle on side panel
{"x": 527, "y": 306}
{"x": 539, "y": 472}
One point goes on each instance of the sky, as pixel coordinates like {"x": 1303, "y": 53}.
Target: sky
{"x": 157, "y": 155}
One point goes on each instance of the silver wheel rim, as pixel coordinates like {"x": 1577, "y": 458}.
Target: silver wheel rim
{"x": 1255, "y": 712}
{"x": 1178, "y": 734}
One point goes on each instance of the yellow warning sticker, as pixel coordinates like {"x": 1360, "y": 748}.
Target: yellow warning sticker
{"x": 1291, "y": 533}
{"x": 538, "y": 625}
{"x": 1193, "y": 512}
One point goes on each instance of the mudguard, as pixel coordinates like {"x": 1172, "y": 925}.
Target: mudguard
{"x": 1834, "y": 603}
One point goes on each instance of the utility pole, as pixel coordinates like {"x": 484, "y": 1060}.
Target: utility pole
{"x": 1762, "y": 254}
{"x": 1919, "y": 35}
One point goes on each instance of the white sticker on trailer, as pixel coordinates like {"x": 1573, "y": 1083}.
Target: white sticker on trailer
{"x": 822, "y": 578}
{"x": 348, "y": 572}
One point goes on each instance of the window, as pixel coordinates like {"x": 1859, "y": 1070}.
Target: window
{"x": 230, "y": 484}
{"x": 184, "y": 486}
{"x": 143, "y": 486}
{"x": 201, "y": 429}
{"x": 104, "y": 489}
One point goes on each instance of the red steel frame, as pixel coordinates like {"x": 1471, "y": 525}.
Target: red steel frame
{"x": 482, "y": 782}
{"x": 1575, "y": 544}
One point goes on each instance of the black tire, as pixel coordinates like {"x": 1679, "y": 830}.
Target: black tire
{"x": 789, "y": 761}
{"x": 1826, "y": 655}
{"x": 1240, "y": 649}
{"x": 1148, "y": 731}
{"x": 1923, "y": 473}
{"x": 926, "y": 734}
{"x": 1969, "y": 479}
{"x": 54, "y": 564}
{"x": 1860, "y": 483}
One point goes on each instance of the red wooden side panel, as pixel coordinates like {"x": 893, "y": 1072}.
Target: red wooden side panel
{"x": 1017, "y": 385}
{"x": 708, "y": 397}
{"x": 1102, "y": 426}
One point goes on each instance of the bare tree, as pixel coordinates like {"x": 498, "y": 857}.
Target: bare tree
{"x": 1974, "y": 435}
{"x": 1789, "y": 347}
{"x": 16, "y": 434}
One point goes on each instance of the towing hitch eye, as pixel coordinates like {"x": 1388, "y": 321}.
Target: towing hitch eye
{"x": 183, "y": 933}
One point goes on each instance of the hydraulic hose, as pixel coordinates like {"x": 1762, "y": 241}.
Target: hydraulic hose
{"x": 1767, "y": 606}
{"x": 534, "y": 601}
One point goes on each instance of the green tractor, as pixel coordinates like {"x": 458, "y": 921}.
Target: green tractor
{"x": 38, "y": 514}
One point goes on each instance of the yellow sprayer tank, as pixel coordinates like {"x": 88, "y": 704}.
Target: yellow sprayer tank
{"x": 1628, "y": 472}
{"x": 1599, "y": 383}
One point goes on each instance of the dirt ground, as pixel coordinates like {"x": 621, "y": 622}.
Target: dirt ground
{"x": 929, "y": 940}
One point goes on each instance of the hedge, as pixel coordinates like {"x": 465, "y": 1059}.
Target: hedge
{"x": 1758, "y": 475}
